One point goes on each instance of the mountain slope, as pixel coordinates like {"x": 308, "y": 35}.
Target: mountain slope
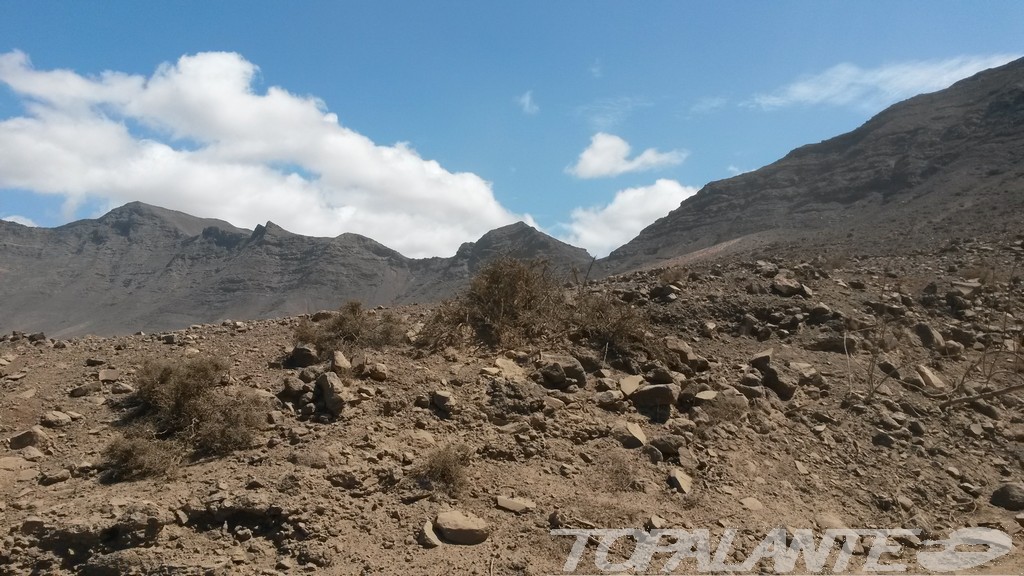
{"x": 939, "y": 164}
{"x": 141, "y": 267}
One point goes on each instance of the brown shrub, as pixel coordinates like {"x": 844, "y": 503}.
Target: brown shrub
{"x": 508, "y": 303}
{"x": 138, "y": 455}
{"x": 609, "y": 324}
{"x": 445, "y": 469}
{"x": 351, "y": 326}
{"x": 183, "y": 409}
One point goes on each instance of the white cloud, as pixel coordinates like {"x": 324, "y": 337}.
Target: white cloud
{"x": 214, "y": 147}
{"x": 708, "y": 105}
{"x": 734, "y": 170}
{"x": 19, "y": 220}
{"x": 608, "y": 155}
{"x": 596, "y": 70}
{"x": 607, "y": 113}
{"x": 871, "y": 89}
{"x": 527, "y": 104}
{"x": 601, "y": 229}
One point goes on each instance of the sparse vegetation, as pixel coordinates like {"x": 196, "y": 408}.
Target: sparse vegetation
{"x": 351, "y": 326}
{"x": 515, "y": 302}
{"x": 138, "y": 454}
{"x": 181, "y": 408}
{"x": 445, "y": 469}
{"x": 609, "y": 324}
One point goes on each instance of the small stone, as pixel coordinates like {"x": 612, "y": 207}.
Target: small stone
{"x": 655, "y": 522}
{"x": 55, "y": 419}
{"x": 302, "y": 356}
{"x": 109, "y": 375}
{"x": 657, "y": 395}
{"x": 442, "y": 400}
{"x": 55, "y": 477}
{"x": 427, "y": 537}
{"x": 121, "y": 388}
{"x": 680, "y": 480}
{"x": 761, "y": 360}
{"x": 339, "y": 363}
{"x": 1009, "y": 496}
{"x": 632, "y": 436}
{"x": 930, "y": 379}
{"x": 752, "y": 504}
{"x": 630, "y": 384}
{"x": 516, "y": 505}
{"x": 377, "y": 372}
{"x": 32, "y": 437}
{"x": 462, "y": 527}
{"x": 86, "y": 389}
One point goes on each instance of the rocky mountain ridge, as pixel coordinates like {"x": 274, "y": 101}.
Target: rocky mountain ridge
{"x": 142, "y": 267}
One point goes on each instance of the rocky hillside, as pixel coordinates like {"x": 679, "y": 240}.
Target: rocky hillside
{"x": 939, "y": 165}
{"x": 141, "y": 267}
{"x": 883, "y": 392}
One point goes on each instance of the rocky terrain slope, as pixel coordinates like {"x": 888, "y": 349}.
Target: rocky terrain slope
{"x": 879, "y": 391}
{"x": 141, "y": 267}
{"x": 922, "y": 171}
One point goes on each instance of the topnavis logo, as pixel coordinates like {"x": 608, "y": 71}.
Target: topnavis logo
{"x": 964, "y": 549}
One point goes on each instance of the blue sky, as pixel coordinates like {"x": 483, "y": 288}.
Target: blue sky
{"x": 425, "y": 124}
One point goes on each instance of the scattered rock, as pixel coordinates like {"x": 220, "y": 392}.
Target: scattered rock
{"x": 516, "y": 505}
{"x": 462, "y": 527}
{"x": 1009, "y": 496}
{"x": 680, "y": 480}
{"x": 302, "y": 356}
{"x": 632, "y": 436}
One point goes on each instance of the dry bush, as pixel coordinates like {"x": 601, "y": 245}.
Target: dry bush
{"x": 673, "y": 275}
{"x": 611, "y": 325}
{"x": 228, "y": 424}
{"x": 619, "y": 471}
{"x": 445, "y": 469}
{"x": 351, "y": 326}
{"x": 508, "y": 303}
{"x": 176, "y": 396}
{"x": 985, "y": 272}
{"x": 137, "y": 455}
{"x": 184, "y": 409}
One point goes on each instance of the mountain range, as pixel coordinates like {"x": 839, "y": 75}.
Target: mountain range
{"x": 936, "y": 166}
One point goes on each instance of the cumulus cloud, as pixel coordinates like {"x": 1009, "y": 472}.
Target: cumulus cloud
{"x": 527, "y": 104}
{"x": 608, "y": 155}
{"x": 19, "y": 220}
{"x": 195, "y": 136}
{"x": 873, "y": 88}
{"x": 601, "y": 229}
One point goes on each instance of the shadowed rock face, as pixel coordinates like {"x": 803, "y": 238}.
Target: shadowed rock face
{"x": 141, "y": 267}
{"x": 922, "y": 170}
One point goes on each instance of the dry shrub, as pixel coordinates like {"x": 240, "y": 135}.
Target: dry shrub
{"x": 610, "y": 325}
{"x": 137, "y": 455}
{"x": 508, "y": 303}
{"x": 619, "y": 471}
{"x": 672, "y": 275}
{"x": 184, "y": 409}
{"x": 351, "y": 326}
{"x": 445, "y": 469}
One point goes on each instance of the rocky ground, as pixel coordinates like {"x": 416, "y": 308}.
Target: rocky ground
{"x": 806, "y": 394}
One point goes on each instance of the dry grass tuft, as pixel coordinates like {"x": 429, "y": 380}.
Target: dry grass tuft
{"x": 445, "y": 469}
